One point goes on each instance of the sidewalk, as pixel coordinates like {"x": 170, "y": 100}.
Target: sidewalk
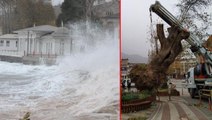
{"x": 177, "y": 109}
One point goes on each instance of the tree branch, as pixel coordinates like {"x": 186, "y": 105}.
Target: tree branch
{"x": 161, "y": 35}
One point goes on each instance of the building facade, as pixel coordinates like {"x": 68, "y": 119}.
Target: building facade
{"x": 125, "y": 69}
{"x": 107, "y": 13}
{"x": 37, "y": 43}
{"x": 180, "y": 67}
{"x": 9, "y": 45}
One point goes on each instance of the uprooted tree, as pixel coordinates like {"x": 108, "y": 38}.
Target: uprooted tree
{"x": 171, "y": 47}
{"x": 155, "y": 72}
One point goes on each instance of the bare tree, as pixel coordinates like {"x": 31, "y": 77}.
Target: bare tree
{"x": 89, "y": 6}
{"x": 17, "y": 14}
{"x": 195, "y": 16}
{"x": 7, "y": 15}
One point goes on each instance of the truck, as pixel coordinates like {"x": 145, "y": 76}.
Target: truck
{"x": 199, "y": 78}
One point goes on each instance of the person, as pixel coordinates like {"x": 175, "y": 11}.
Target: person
{"x": 128, "y": 84}
{"x": 170, "y": 88}
{"x": 123, "y": 84}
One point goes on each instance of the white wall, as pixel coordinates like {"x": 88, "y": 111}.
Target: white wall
{"x": 30, "y": 42}
{"x": 67, "y": 47}
{"x": 27, "y": 38}
{"x": 48, "y": 46}
{"x": 10, "y": 46}
{"x": 62, "y": 46}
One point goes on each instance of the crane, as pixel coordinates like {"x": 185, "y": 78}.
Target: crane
{"x": 193, "y": 84}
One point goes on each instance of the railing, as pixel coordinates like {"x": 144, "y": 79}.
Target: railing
{"x": 43, "y": 55}
{"x": 12, "y": 53}
{"x": 127, "y": 108}
{"x": 137, "y": 105}
{"x": 48, "y": 59}
{"x": 208, "y": 94}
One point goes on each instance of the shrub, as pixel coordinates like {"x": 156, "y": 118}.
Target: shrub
{"x": 137, "y": 118}
{"x": 133, "y": 96}
{"x": 130, "y": 96}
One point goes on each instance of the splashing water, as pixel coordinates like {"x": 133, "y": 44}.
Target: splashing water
{"x": 81, "y": 86}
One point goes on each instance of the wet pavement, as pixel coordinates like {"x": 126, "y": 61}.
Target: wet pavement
{"x": 181, "y": 107}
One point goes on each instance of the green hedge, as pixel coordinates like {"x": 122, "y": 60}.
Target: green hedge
{"x": 128, "y": 97}
{"x": 137, "y": 118}
{"x": 133, "y": 96}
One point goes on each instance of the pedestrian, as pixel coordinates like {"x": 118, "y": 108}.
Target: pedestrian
{"x": 123, "y": 84}
{"x": 128, "y": 84}
{"x": 169, "y": 90}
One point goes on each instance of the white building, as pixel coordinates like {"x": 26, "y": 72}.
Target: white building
{"x": 37, "y": 42}
{"x": 9, "y": 45}
{"x": 57, "y": 43}
{"x": 44, "y": 40}
{"x": 107, "y": 13}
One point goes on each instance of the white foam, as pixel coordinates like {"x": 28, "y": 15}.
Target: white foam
{"x": 80, "y": 84}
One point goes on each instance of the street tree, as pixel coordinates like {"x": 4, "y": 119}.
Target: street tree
{"x": 75, "y": 10}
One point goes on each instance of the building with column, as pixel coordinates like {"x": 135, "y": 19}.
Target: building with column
{"x": 37, "y": 43}
{"x": 106, "y": 12}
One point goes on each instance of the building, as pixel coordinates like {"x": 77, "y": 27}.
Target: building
{"x": 125, "y": 69}
{"x": 180, "y": 67}
{"x": 107, "y": 13}
{"x": 44, "y": 39}
{"x": 9, "y": 44}
{"x": 106, "y": 10}
{"x": 38, "y": 43}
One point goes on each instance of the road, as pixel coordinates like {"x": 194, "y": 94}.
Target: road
{"x": 182, "y": 107}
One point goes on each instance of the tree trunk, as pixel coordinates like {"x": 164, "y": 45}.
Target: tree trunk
{"x": 170, "y": 47}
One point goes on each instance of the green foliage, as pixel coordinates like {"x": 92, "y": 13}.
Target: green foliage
{"x": 137, "y": 118}
{"x": 134, "y": 96}
{"x": 164, "y": 85}
{"x": 162, "y": 90}
{"x": 72, "y": 10}
{"x": 144, "y": 94}
{"x": 136, "y": 73}
{"x": 130, "y": 96}
{"x": 137, "y": 70}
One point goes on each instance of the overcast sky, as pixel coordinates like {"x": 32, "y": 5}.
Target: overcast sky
{"x": 136, "y": 22}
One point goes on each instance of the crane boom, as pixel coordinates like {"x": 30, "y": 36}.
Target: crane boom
{"x": 173, "y": 21}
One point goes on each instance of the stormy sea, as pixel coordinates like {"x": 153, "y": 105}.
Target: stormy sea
{"x": 82, "y": 85}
